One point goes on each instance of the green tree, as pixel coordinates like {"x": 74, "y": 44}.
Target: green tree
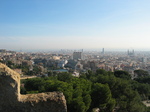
{"x": 101, "y": 97}
{"x": 65, "y": 77}
{"x": 141, "y": 73}
{"x": 122, "y": 74}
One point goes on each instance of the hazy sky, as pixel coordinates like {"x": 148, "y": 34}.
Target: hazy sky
{"x": 74, "y": 24}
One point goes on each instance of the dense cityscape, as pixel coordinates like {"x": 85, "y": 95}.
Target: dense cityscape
{"x": 74, "y": 56}
{"x": 75, "y": 61}
{"x": 89, "y": 80}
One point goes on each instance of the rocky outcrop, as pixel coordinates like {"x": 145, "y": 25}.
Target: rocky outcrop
{"x": 12, "y": 101}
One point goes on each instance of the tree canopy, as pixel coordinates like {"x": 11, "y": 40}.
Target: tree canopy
{"x": 101, "y": 89}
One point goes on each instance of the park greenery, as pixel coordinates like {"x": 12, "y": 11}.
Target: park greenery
{"x": 108, "y": 91}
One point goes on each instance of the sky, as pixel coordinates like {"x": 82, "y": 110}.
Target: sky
{"x": 74, "y": 24}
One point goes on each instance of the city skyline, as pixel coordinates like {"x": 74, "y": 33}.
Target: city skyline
{"x": 76, "y": 24}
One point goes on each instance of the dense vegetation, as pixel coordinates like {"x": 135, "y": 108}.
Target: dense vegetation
{"x": 100, "y": 89}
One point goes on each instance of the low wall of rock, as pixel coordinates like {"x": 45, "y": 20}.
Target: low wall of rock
{"x": 12, "y": 101}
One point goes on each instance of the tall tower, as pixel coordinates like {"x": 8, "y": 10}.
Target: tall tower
{"x": 103, "y": 52}
{"x": 128, "y": 52}
{"x": 133, "y": 52}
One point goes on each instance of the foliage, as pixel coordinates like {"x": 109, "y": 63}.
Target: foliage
{"x": 122, "y": 74}
{"x": 141, "y": 73}
{"x": 100, "y": 89}
{"x": 143, "y": 80}
{"x": 65, "y": 77}
{"x": 101, "y": 96}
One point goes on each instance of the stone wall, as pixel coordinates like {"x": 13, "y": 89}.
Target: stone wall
{"x": 12, "y": 101}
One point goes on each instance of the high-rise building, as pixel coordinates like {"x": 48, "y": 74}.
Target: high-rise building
{"x": 103, "y": 52}
{"x": 144, "y": 59}
{"x": 78, "y": 55}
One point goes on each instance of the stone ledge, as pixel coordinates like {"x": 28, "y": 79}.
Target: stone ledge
{"x": 12, "y": 100}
